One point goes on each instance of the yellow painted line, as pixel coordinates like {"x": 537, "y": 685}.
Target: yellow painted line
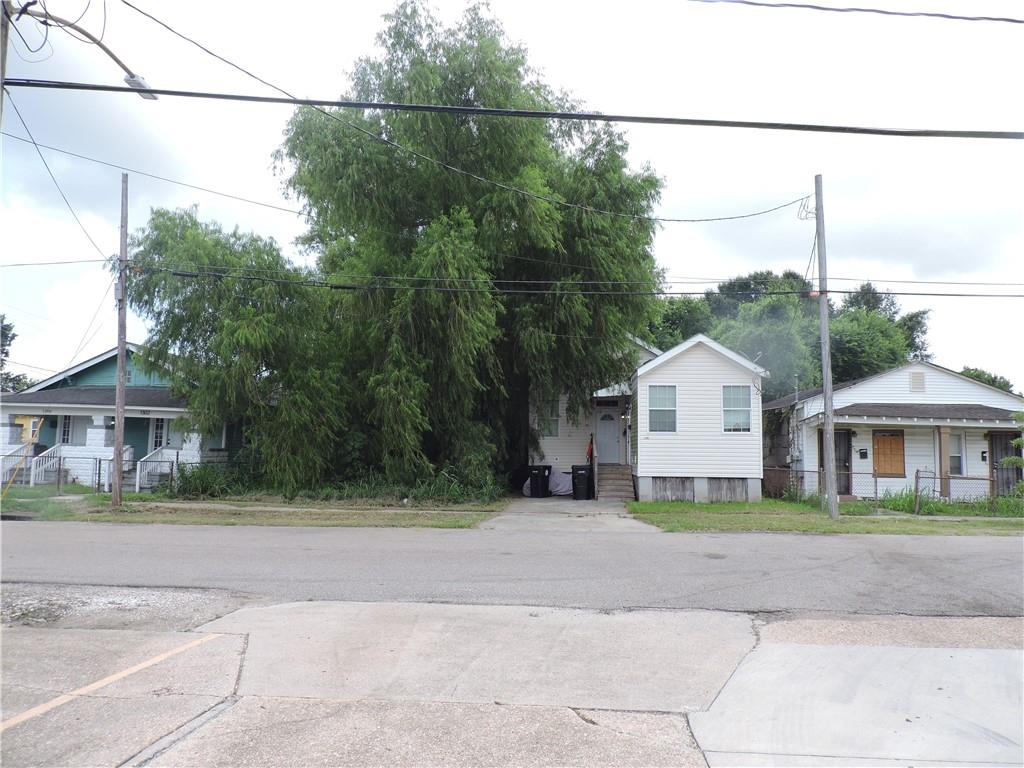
{"x": 65, "y": 698}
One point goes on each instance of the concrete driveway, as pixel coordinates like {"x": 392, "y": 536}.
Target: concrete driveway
{"x": 558, "y": 513}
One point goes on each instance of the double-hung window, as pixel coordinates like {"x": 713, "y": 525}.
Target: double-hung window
{"x": 736, "y": 408}
{"x": 549, "y": 419}
{"x": 956, "y": 453}
{"x": 661, "y": 416}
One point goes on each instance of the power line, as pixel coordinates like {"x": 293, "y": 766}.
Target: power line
{"x": 524, "y": 113}
{"x": 82, "y": 342}
{"x": 36, "y": 368}
{"x": 880, "y": 11}
{"x": 53, "y": 263}
{"x": 154, "y": 176}
{"x": 52, "y": 177}
{"x": 670, "y": 279}
{"x": 427, "y": 158}
{"x": 314, "y": 283}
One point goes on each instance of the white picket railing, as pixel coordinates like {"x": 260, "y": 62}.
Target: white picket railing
{"x": 151, "y": 466}
{"x": 16, "y": 457}
{"x": 43, "y": 463}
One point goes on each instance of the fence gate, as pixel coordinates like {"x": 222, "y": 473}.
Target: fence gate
{"x": 1001, "y": 447}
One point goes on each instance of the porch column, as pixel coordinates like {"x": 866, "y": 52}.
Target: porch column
{"x": 97, "y": 435}
{"x": 943, "y": 433}
{"x": 10, "y": 432}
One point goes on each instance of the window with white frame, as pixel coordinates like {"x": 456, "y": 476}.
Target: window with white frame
{"x": 736, "y": 408}
{"x": 65, "y": 430}
{"x": 549, "y": 419}
{"x": 158, "y": 433}
{"x": 956, "y": 454}
{"x": 661, "y": 408}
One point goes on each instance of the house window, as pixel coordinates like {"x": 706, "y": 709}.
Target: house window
{"x": 549, "y": 419}
{"x": 65, "y": 430}
{"x": 661, "y": 408}
{"x": 158, "y": 433}
{"x": 956, "y": 454}
{"x": 736, "y": 408}
{"x": 888, "y": 450}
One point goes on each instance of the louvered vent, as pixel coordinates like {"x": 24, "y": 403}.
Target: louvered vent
{"x": 917, "y": 381}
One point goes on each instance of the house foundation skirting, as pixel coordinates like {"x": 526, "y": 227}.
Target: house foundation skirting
{"x": 701, "y": 489}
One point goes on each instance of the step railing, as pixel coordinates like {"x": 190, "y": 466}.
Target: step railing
{"x": 12, "y": 461}
{"x": 43, "y": 463}
{"x": 150, "y": 467}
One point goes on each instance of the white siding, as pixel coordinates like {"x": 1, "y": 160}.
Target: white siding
{"x": 698, "y": 447}
{"x": 570, "y": 447}
{"x": 940, "y": 387}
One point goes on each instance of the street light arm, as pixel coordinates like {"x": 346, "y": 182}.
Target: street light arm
{"x": 46, "y": 17}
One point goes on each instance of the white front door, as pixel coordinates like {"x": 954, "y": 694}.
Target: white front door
{"x": 608, "y": 429}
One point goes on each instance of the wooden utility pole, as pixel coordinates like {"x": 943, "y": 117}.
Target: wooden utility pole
{"x": 122, "y": 351}
{"x": 5, "y": 12}
{"x": 828, "y": 445}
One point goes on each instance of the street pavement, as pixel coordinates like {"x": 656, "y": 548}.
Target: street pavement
{"x": 530, "y": 561}
{"x": 174, "y": 646}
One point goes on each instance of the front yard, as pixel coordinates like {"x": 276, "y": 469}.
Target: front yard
{"x": 40, "y": 504}
{"x": 785, "y": 516}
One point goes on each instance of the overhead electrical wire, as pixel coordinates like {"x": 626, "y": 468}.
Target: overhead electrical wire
{"x": 34, "y": 367}
{"x": 154, "y": 175}
{"x": 52, "y": 177}
{"x": 316, "y": 283}
{"x": 880, "y": 11}
{"x": 933, "y": 133}
{"x": 83, "y": 343}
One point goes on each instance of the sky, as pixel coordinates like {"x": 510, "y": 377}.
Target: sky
{"x": 896, "y": 209}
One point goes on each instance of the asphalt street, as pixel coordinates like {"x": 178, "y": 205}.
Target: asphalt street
{"x": 548, "y": 566}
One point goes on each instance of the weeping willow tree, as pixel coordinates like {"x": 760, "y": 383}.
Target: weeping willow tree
{"x": 471, "y": 298}
{"x": 505, "y": 294}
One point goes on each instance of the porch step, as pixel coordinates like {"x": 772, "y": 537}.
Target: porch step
{"x": 614, "y": 482}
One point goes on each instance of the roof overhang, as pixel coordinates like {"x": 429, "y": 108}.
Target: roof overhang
{"x": 61, "y": 375}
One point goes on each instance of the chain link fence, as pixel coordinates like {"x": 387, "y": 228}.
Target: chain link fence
{"x": 924, "y": 492}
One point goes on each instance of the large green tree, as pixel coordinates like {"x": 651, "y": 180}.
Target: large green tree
{"x": 10, "y": 382}
{"x": 986, "y": 377}
{"x": 489, "y": 296}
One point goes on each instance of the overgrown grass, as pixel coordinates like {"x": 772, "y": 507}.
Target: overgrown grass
{"x": 210, "y": 481}
{"x": 223, "y": 514}
{"x": 996, "y": 506}
{"x": 774, "y": 515}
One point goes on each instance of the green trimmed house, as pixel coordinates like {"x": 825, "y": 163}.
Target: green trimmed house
{"x": 66, "y": 423}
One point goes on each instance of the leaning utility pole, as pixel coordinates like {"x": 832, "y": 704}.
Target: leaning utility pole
{"x": 122, "y": 352}
{"x": 828, "y": 445}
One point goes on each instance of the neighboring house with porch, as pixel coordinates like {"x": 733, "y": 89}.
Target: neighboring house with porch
{"x": 70, "y": 420}
{"x": 687, "y": 426}
{"x": 918, "y": 422}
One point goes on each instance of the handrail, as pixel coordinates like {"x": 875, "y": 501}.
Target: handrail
{"x": 44, "y": 461}
{"x": 148, "y": 465}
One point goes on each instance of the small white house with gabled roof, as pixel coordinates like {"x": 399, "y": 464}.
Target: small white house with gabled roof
{"x": 916, "y": 424}
{"x": 695, "y": 425}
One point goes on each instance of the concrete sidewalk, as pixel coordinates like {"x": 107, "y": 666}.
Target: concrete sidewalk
{"x": 434, "y": 684}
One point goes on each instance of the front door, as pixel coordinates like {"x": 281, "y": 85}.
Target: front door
{"x": 608, "y": 437}
{"x": 1001, "y": 447}
{"x": 844, "y": 450}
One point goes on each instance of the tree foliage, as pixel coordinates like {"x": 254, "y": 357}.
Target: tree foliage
{"x": 985, "y": 377}
{"x": 469, "y": 298}
{"x": 10, "y": 382}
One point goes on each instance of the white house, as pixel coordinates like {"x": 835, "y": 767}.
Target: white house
{"x": 917, "y": 422}
{"x": 686, "y": 427}
{"x": 67, "y": 422}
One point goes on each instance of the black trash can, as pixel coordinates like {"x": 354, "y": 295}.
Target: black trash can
{"x": 582, "y": 476}
{"x": 539, "y": 474}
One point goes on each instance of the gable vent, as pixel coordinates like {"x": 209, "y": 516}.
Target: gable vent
{"x": 917, "y": 381}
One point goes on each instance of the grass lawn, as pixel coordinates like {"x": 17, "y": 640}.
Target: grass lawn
{"x": 784, "y": 516}
{"x": 94, "y": 509}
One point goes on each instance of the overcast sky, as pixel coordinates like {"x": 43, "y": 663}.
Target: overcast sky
{"x": 896, "y": 208}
